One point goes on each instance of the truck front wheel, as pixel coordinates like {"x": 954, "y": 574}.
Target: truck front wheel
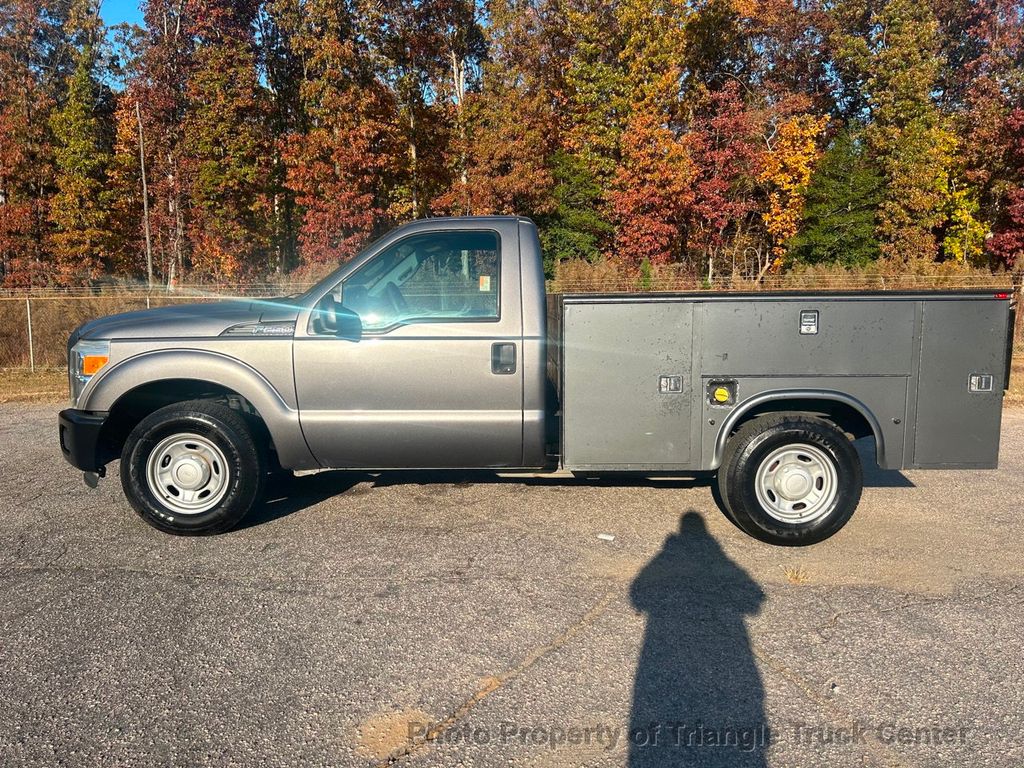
{"x": 192, "y": 468}
{"x": 790, "y": 479}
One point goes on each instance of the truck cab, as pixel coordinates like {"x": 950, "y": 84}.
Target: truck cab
{"x": 444, "y": 361}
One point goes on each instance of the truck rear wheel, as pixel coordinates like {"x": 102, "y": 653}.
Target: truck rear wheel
{"x": 790, "y": 479}
{"x": 192, "y": 468}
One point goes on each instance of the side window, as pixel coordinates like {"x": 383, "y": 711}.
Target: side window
{"x": 434, "y": 277}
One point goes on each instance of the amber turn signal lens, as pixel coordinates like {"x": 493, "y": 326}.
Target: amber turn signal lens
{"x": 92, "y": 363}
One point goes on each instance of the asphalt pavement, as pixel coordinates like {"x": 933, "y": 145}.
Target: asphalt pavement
{"x": 485, "y": 620}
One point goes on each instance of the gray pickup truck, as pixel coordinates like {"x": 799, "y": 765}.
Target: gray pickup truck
{"x": 437, "y": 348}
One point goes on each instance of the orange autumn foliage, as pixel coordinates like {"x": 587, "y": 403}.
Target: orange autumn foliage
{"x": 786, "y": 172}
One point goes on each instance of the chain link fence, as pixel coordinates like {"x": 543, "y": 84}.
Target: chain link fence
{"x": 34, "y": 327}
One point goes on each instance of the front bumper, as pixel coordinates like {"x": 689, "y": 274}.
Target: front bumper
{"x": 80, "y": 438}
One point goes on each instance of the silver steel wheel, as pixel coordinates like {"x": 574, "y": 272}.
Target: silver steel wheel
{"x": 796, "y": 483}
{"x": 187, "y": 473}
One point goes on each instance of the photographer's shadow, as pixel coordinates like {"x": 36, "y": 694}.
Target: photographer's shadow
{"x": 698, "y": 697}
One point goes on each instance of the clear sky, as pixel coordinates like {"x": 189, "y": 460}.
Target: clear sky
{"x": 116, "y": 11}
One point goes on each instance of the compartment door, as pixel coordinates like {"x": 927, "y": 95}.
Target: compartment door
{"x": 957, "y": 417}
{"x": 626, "y": 398}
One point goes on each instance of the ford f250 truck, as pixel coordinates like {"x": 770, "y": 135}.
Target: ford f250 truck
{"x": 437, "y": 348}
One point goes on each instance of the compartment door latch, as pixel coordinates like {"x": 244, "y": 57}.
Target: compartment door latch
{"x": 808, "y": 322}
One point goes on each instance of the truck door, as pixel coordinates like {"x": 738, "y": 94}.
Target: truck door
{"x": 434, "y": 377}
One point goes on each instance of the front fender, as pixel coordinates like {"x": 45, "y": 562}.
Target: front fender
{"x": 117, "y": 380}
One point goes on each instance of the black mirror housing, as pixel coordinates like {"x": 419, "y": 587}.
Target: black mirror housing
{"x": 347, "y": 324}
{"x": 335, "y": 319}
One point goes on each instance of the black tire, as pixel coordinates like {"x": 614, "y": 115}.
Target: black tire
{"x": 753, "y": 443}
{"x": 242, "y": 486}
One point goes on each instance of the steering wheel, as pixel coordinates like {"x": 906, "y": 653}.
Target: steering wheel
{"x": 397, "y": 299}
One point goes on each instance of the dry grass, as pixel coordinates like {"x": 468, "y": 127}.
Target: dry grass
{"x": 1015, "y": 394}
{"x": 23, "y": 386}
{"x": 608, "y": 275}
{"x": 55, "y": 317}
{"x": 797, "y": 575}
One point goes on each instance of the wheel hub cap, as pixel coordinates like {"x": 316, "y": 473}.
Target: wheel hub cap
{"x": 191, "y": 473}
{"x": 797, "y": 483}
{"x": 793, "y": 483}
{"x": 187, "y": 473}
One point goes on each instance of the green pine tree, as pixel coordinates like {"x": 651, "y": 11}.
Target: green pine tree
{"x": 576, "y": 228}
{"x": 78, "y": 210}
{"x": 840, "y": 213}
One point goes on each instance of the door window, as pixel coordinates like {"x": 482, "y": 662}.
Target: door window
{"x": 434, "y": 277}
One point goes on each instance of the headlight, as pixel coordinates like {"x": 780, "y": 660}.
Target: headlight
{"x": 87, "y": 357}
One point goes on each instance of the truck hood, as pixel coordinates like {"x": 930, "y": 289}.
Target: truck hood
{"x": 187, "y": 320}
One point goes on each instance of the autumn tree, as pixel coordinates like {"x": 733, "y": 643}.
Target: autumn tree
{"x": 595, "y": 107}
{"x": 227, "y": 144}
{"x": 278, "y": 21}
{"x": 983, "y": 90}
{"x": 506, "y": 170}
{"x": 341, "y": 166}
{"x": 510, "y": 126}
{"x": 253, "y": 136}
{"x": 787, "y": 46}
{"x": 460, "y": 38}
{"x": 723, "y": 144}
{"x": 33, "y": 67}
{"x": 124, "y": 186}
{"x": 654, "y": 42}
{"x": 156, "y": 95}
{"x": 717, "y": 49}
{"x": 408, "y": 56}
{"x": 651, "y": 193}
{"x": 1006, "y": 245}
{"x": 907, "y": 134}
{"x": 786, "y": 170}
{"x": 850, "y": 27}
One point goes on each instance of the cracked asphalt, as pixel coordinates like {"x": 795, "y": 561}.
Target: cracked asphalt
{"x": 479, "y": 620}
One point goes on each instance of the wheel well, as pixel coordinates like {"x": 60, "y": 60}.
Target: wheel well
{"x": 843, "y": 415}
{"x": 136, "y": 404}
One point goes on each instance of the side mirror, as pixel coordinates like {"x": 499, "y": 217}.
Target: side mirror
{"x": 330, "y": 317}
{"x": 347, "y": 324}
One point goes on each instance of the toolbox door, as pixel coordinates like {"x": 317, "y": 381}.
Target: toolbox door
{"x": 626, "y": 394}
{"x": 960, "y": 391}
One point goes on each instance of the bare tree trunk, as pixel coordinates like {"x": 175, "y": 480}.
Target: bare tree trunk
{"x": 413, "y": 159}
{"x": 174, "y": 208}
{"x": 763, "y": 267}
{"x": 179, "y": 231}
{"x": 459, "y": 84}
{"x": 145, "y": 200}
